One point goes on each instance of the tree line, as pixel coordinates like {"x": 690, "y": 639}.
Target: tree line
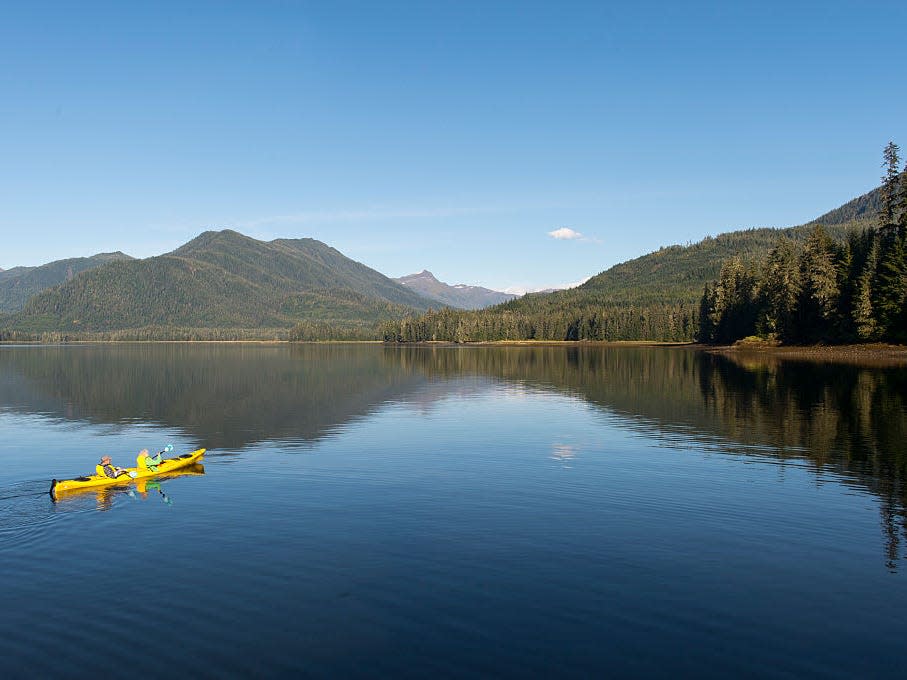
{"x": 146, "y": 334}
{"x": 304, "y": 331}
{"x": 588, "y": 319}
{"x": 823, "y": 290}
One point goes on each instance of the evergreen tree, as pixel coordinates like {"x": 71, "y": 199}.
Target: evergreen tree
{"x": 890, "y": 189}
{"x": 902, "y": 203}
{"x": 866, "y": 255}
{"x": 706, "y": 310}
{"x": 889, "y": 286}
{"x": 732, "y": 310}
{"x": 779, "y": 290}
{"x": 818, "y": 302}
{"x": 891, "y": 282}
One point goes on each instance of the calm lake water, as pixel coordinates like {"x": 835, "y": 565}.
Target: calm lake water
{"x": 370, "y": 510}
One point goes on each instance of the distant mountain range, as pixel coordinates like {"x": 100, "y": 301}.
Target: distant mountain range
{"x": 460, "y": 295}
{"x": 225, "y": 280}
{"x": 222, "y": 279}
{"x": 18, "y": 284}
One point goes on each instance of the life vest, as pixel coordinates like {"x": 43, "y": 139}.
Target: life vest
{"x": 103, "y": 471}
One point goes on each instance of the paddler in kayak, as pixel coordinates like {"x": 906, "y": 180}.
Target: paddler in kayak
{"x": 144, "y": 460}
{"x": 111, "y": 470}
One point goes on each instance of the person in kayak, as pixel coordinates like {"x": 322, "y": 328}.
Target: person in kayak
{"x": 112, "y": 470}
{"x": 148, "y": 461}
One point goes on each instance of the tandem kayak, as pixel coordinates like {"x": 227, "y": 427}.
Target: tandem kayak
{"x": 139, "y": 472}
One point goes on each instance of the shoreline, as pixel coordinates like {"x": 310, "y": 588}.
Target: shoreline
{"x": 39, "y": 343}
{"x": 542, "y": 343}
{"x": 896, "y": 354}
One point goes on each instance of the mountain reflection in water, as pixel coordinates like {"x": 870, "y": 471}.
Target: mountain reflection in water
{"x": 848, "y": 420}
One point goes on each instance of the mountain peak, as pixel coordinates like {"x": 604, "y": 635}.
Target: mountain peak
{"x": 224, "y": 235}
{"x": 210, "y": 238}
{"x": 461, "y": 295}
{"x": 423, "y": 275}
{"x": 110, "y": 257}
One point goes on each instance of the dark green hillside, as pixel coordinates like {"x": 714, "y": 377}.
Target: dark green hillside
{"x": 20, "y": 283}
{"x": 653, "y": 297}
{"x": 293, "y": 265}
{"x": 222, "y": 280}
{"x": 158, "y": 291}
{"x": 862, "y": 207}
{"x": 679, "y": 272}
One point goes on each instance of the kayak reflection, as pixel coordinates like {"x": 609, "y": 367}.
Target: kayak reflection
{"x": 141, "y": 491}
{"x": 140, "y": 488}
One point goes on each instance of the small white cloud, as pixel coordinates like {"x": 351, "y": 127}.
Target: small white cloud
{"x": 565, "y": 234}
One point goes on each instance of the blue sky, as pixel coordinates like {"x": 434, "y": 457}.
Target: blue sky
{"x": 453, "y": 136}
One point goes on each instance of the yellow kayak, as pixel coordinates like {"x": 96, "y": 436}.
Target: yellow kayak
{"x": 140, "y": 471}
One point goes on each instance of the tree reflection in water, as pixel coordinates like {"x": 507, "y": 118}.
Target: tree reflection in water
{"x": 843, "y": 418}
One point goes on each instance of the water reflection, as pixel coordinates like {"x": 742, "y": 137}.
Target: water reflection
{"x": 563, "y": 453}
{"x": 141, "y": 492}
{"x": 847, "y": 419}
{"x": 842, "y": 418}
{"x": 228, "y": 396}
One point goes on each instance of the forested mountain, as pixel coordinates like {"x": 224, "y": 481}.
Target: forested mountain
{"x": 460, "y": 296}
{"x": 653, "y": 297}
{"x": 822, "y": 290}
{"x": 20, "y": 283}
{"x": 223, "y": 279}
